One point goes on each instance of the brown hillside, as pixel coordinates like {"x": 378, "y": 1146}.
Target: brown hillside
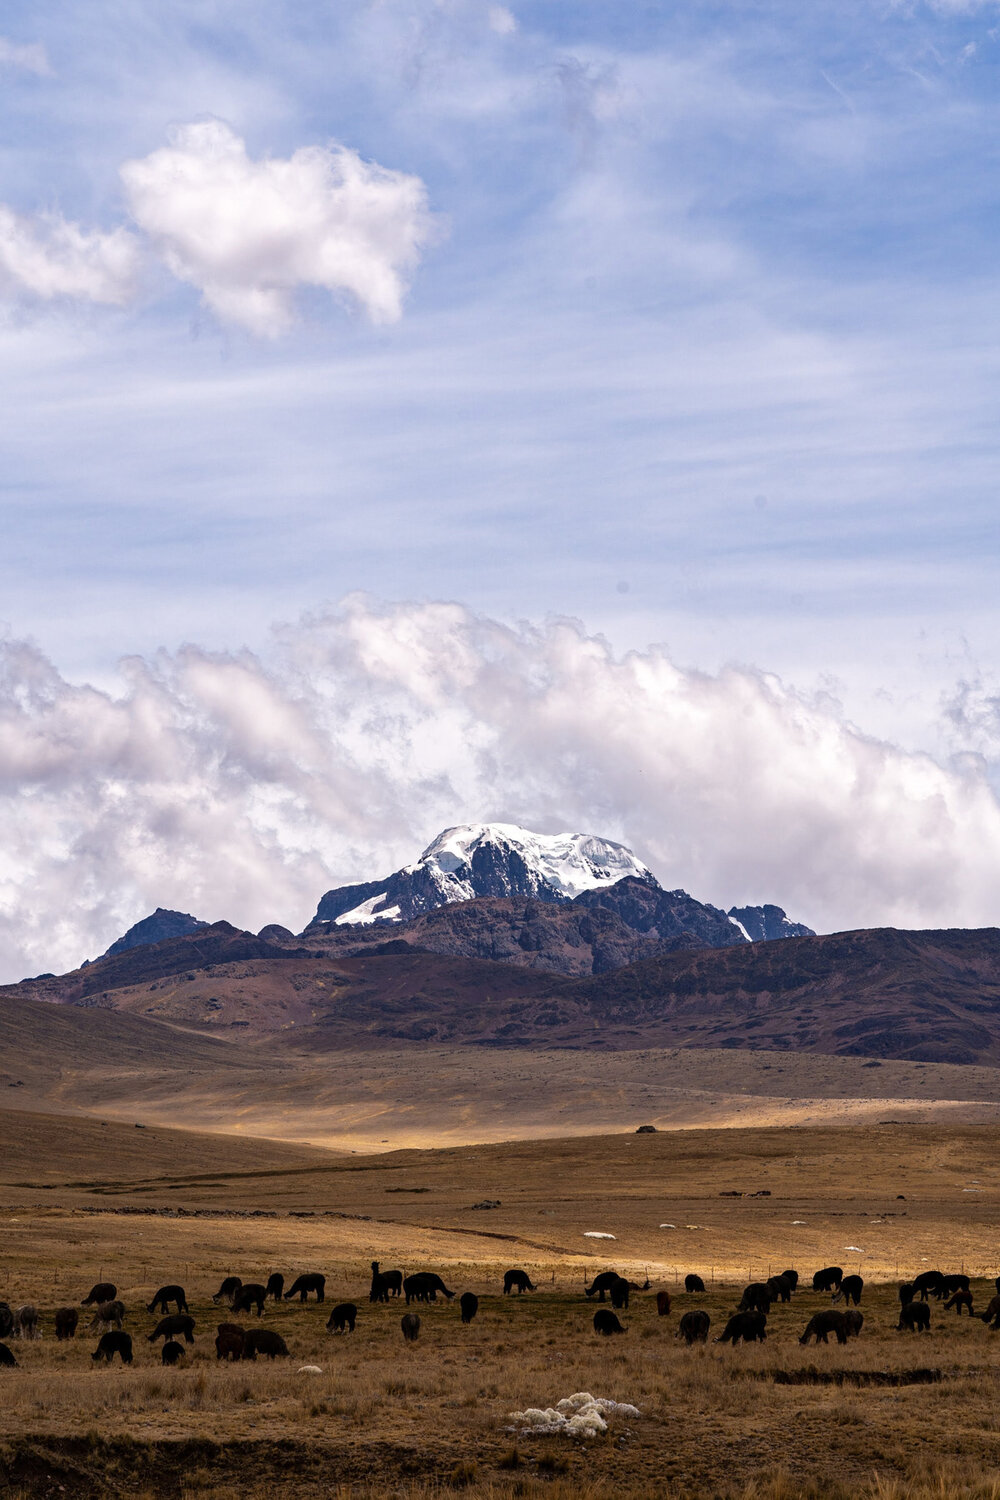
{"x": 932, "y": 996}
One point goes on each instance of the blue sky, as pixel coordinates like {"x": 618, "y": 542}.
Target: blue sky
{"x": 697, "y": 343}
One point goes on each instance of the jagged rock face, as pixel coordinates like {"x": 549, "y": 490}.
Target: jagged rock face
{"x": 664, "y": 915}
{"x": 482, "y": 860}
{"x": 595, "y": 933}
{"x": 155, "y": 928}
{"x": 762, "y": 924}
{"x": 551, "y": 937}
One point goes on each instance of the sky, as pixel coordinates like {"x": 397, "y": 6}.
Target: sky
{"x": 574, "y": 414}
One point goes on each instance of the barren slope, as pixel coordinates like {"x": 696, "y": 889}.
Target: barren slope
{"x": 886, "y": 993}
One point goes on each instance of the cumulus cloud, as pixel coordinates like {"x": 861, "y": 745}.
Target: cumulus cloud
{"x": 49, "y": 257}
{"x": 31, "y": 56}
{"x": 227, "y": 785}
{"x": 249, "y": 233}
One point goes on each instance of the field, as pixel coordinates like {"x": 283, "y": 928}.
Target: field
{"x": 890, "y": 1414}
{"x": 129, "y": 1068}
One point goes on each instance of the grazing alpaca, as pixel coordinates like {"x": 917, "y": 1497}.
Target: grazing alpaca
{"x": 263, "y": 1341}
{"x": 748, "y": 1326}
{"x": 229, "y": 1342}
{"x": 915, "y": 1317}
{"x": 26, "y": 1322}
{"x": 303, "y": 1285}
{"x": 67, "y": 1319}
{"x": 108, "y": 1314}
{"x": 227, "y": 1291}
{"x": 342, "y": 1319}
{"x": 518, "y": 1281}
{"x": 176, "y": 1323}
{"x": 469, "y": 1303}
{"x": 251, "y": 1294}
{"x": 693, "y": 1327}
{"x": 103, "y": 1291}
{"x": 385, "y": 1284}
{"x": 163, "y": 1298}
{"x": 424, "y": 1287}
{"x": 111, "y": 1344}
{"x": 823, "y": 1323}
{"x": 605, "y": 1321}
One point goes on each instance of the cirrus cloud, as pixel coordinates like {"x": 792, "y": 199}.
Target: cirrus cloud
{"x": 229, "y": 785}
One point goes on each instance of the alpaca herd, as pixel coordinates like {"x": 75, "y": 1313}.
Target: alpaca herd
{"x": 748, "y": 1324}
{"x": 234, "y": 1341}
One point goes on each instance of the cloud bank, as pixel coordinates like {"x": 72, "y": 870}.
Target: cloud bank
{"x": 229, "y": 785}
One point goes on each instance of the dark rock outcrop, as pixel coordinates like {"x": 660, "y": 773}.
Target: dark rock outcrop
{"x": 161, "y": 924}
{"x": 764, "y": 924}
{"x": 645, "y": 907}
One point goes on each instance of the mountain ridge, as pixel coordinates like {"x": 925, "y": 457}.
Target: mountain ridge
{"x": 926, "y": 996}
{"x": 503, "y": 862}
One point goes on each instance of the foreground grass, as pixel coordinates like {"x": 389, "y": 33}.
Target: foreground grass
{"x": 385, "y": 1418}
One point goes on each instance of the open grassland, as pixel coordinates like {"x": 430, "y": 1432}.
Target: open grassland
{"x": 389, "y": 1419}
{"x": 898, "y": 1192}
{"x": 126, "y": 1068}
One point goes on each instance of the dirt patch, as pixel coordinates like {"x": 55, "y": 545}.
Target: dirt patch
{"x": 843, "y": 1377}
{"x": 92, "y": 1467}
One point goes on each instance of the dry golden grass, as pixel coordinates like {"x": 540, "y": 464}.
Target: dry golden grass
{"x": 390, "y": 1418}
{"x": 828, "y": 1188}
{"x": 432, "y": 1096}
{"x": 386, "y": 1419}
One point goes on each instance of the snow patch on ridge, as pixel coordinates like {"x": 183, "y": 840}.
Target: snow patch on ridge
{"x": 365, "y": 914}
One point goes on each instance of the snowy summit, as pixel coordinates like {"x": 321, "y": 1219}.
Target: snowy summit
{"x": 485, "y": 859}
{"x": 568, "y": 863}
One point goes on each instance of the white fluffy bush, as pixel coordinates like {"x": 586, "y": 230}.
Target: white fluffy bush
{"x": 581, "y": 1415}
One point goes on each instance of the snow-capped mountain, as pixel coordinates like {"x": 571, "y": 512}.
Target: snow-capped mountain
{"x": 485, "y": 859}
{"x": 520, "y": 863}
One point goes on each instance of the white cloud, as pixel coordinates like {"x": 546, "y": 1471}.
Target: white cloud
{"x": 501, "y": 20}
{"x": 31, "y": 56}
{"x": 227, "y": 786}
{"x": 48, "y": 257}
{"x": 248, "y": 233}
